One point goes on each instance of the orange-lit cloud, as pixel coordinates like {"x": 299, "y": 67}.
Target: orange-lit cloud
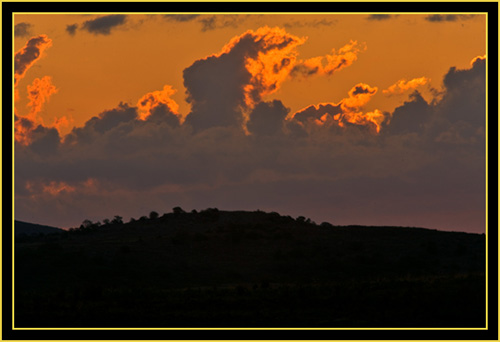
{"x": 270, "y": 64}
{"x": 403, "y": 85}
{"x": 39, "y": 92}
{"x": 60, "y": 123}
{"x": 28, "y": 55}
{"x": 150, "y": 101}
{"x": 359, "y": 95}
{"x": 475, "y": 59}
{"x": 348, "y": 110}
{"x": 223, "y": 88}
{"x": 55, "y": 188}
{"x": 328, "y": 64}
{"x": 22, "y": 129}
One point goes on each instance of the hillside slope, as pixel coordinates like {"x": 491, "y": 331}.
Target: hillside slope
{"x": 24, "y": 228}
{"x": 216, "y": 268}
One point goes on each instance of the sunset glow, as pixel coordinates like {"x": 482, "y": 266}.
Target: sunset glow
{"x": 341, "y": 118}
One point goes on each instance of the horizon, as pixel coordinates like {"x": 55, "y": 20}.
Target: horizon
{"x": 197, "y": 211}
{"x": 359, "y": 119}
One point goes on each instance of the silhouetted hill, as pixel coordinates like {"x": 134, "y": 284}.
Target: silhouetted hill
{"x": 25, "y": 228}
{"x": 219, "y": 268}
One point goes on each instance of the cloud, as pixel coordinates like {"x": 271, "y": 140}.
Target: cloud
{"x": 71, "y": 29}
{"x": 267, "y": 118}
{"x": 410, "y": 117}
{"x": 316, "y": 23}
{"x": 23, "y": 30}
{"x": 326, "y": 161}
{"x": 181, "y": 17}
{"x": 345, "y": 113}
{"x": 224, "y": 87}
{"x": 457, "y": 116}
{"x": 328, "y": 64}
{"x": 103, "y": 25}
{"x": 28, "y": 55}
{"x": 437, "y": 18}
{"x": 39, "y": 92}
{"x": 403, "y": 85}
{"x": 465, "y": 94}
{"x": 220, "y": 21}
{"x": 380, "y": 17}
{"x": 152, "y": 101}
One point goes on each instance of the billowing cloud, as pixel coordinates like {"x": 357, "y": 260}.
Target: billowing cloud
{"x": 103, "y": 25}
{"x": 403, "y": 85}
{"x": 328, "y": 64}
{"x": 267, "y": 118}
{"x": 223, "y": 88}
{"x": 29, "y": 54}
{"x": 326, "y": 161}
{"x": 437, "y": 18}
{"x": 345, "y": 113}
{"x": 23, "y": 30}
{"x": 152, "y": 101}
{"x": 459, "y": 115}
{"x": 71, "y": 29}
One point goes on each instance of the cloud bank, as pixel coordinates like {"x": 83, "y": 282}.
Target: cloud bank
{"x": 420, "y": 165}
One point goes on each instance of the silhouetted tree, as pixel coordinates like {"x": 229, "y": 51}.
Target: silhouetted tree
{"x": 86, "y": 224}
{"x": 106, "y": 221}
{"x": 178, "y": 210}
{"x": 301, "y": 219}
{"x": 117, "y": 220}
{"x": 153, "y": 215}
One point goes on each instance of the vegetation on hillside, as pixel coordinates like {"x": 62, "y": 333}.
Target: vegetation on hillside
{"x": 248, "y": 269}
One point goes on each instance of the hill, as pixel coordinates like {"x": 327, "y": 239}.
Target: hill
{"x": 249, "y": 269}
{"x": 24, "y": 228}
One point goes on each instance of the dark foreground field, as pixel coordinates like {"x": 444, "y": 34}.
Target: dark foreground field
{"x": 248, "y": 269}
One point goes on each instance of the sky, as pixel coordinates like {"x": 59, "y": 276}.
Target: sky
{"x": 370, "y": 119}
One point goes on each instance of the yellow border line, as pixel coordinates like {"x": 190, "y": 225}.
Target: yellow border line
{"x": 239, "y": 13}
{"x": 246, "y": 12}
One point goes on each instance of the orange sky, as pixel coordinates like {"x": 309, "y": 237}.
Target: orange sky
{"x": 347, "y": 118}
{"x": 93, "y": 72}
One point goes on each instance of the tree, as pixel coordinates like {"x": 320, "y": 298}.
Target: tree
{"x": 153, "y": 215}
{"x": 117, "y": 220}
{"x": 178, "y": 210}
{"x": 86, "y": 224}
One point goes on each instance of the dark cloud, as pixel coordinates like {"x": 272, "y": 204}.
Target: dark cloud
{"x": 29, "y": 54}
{"x": 380, "y": 17}
{"x": 362, "y": 89}
{"x": 181, "y": 17}
{"x": 23, "y": 30}
{"x": 424, "y": 168}
{"x": 267, "y": 118}
{"x": 312, "y": 23}
{"x": 436, "y": 18}
{"x": 458, "y": 116}
{"x": 214, "y": 86}
{"x": 71, "y": 29}
{"x": 221, "y": 21}
{"x": 221, "y": 89}
{"x": 411, "y": 117}
{"x": 316, "y": 112}
{"x": 103, "y": 123}
{"x": 104, "y": 24}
